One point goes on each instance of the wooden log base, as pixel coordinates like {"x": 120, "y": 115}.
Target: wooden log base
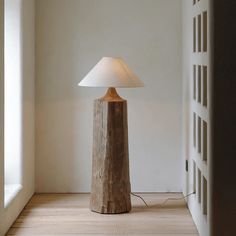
{"x": 110, "y": 193}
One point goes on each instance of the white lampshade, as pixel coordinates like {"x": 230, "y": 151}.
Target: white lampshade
{"x": 111, "y": 72}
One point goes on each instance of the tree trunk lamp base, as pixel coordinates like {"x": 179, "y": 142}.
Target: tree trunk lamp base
{"x": 110, "y": 192}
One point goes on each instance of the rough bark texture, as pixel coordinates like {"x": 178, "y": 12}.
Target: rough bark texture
{"x": 110, "y": 191}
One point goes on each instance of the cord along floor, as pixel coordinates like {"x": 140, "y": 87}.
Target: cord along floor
{"x": 69, "y": 214}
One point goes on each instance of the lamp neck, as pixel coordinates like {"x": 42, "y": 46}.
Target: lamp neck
{"x": 112, "y": 95}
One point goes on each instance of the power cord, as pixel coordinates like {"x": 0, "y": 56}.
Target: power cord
{"x": 140, "y": 198}
{"x": 168, "y": 199}
{"x": 176, "y": 199}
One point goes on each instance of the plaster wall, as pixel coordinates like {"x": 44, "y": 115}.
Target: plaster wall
{"x": 71, "y": 37}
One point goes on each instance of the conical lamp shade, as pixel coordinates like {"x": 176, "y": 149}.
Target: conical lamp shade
{"x": 111, "y": 72}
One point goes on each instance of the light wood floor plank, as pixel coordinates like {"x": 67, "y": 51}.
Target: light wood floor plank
{"x": 68, "y": 214}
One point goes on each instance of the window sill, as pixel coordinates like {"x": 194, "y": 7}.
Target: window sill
{"x": 10, "y": 192}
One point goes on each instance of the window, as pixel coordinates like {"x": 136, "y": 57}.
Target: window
{"x": 12, "y": 99}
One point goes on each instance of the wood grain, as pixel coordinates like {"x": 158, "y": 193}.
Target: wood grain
{"x": 69, "y": 214}
{"x": 110, "y": 192}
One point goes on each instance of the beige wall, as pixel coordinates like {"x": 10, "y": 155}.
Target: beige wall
{"x": 9, "y": 214}
{"x": 71, "y": 36}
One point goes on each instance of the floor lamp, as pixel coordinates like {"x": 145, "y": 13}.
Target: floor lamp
{"x": 110, "y": 190}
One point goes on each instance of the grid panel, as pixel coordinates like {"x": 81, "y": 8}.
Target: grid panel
{"x": 194, "y": 129}
{"x": 199, "y": 185}
{"x": 205, "y": 87}
{"x": 200, "y": 102}
{"x": 194, "y": 82}
{"x": 194, "y": 176}
{"x": 199, "y": 135}
{"x": 204, "y": 16}
{"x": 199, "y": 84}
{"x": 205, "y": 143}
{"x": 199, "y": 33}
{"x": 194, "y": 34}
{"x": 204, "y": 195}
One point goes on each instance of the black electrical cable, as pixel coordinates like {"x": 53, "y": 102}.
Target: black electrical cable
{"x": 140, "y": 198}
{"x": 176, "y": 199}
{"x": 168, "y": 199}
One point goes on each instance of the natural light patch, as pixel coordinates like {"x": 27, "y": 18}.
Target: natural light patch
{"x": 12, "y": 99}
{"x": 11, "y": 190}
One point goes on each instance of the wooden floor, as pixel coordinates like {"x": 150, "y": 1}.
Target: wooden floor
{"x": 68, "y": 214}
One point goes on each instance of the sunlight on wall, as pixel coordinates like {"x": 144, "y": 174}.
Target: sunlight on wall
{"x": 12, "y": 98}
